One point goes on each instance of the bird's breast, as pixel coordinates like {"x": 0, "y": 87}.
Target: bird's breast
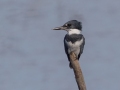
{"x": 74, "y": 47}
{"x": 75, "y": 44}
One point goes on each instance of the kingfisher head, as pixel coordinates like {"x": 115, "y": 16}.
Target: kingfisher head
{"x": 70, "y": 25}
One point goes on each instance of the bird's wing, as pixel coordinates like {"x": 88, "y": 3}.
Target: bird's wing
{"x": 81, "y": 47}
{"x": 66, "y": 48}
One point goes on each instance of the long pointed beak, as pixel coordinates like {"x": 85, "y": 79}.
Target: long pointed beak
{"x": 59, "y": 28}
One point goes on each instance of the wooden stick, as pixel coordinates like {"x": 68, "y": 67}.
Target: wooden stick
{"x": 77, "y": 71}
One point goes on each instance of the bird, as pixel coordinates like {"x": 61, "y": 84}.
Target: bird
{"x": 74, "y": 41}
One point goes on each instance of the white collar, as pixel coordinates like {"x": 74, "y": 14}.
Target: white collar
{"x": 74, "y": 31}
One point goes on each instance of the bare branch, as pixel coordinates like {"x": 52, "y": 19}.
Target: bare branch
{"x": 77, "y": 71}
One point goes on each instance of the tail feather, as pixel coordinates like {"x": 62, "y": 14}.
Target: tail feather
{"x": 70, "y": 65}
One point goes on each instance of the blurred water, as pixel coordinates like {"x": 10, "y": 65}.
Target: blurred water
{"x": 32, "y": 55}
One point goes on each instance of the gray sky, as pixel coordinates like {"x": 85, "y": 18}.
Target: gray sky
{"x": 32, "y": 56}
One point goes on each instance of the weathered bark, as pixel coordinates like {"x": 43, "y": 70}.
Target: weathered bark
{"x": 77, "y": 71}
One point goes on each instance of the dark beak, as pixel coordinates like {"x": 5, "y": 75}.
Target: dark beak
{"x": 60, "y": 28}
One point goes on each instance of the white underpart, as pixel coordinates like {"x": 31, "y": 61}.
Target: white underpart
{"x": 74, "y": 31}
{"x": 74, "y": 47}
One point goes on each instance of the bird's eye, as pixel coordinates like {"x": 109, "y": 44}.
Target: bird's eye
{"x": 68, "y": 25}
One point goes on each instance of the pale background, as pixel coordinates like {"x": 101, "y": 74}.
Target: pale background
{"x": 32, "y": 56}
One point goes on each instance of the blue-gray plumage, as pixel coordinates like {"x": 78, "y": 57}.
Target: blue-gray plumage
{"x": 74, "y": 41}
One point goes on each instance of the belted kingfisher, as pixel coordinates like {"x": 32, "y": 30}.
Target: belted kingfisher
{"x": 74, "y": 41}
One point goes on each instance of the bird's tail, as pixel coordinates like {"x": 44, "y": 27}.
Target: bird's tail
{"x": 70, "y": 65}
